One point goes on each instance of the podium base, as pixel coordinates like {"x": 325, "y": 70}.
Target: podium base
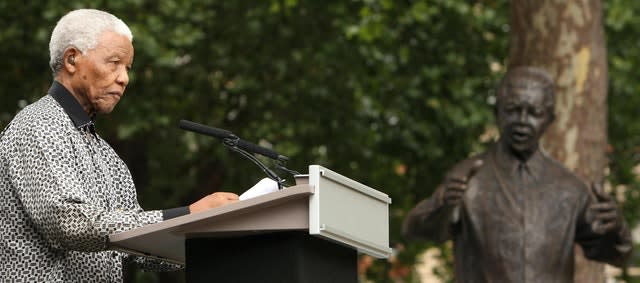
{"x": 280, "y": 257}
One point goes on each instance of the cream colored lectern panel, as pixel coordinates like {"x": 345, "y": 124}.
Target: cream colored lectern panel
{"x": 349, "y": 212}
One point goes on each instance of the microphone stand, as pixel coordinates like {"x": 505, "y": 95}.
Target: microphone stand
{"x": 232, "y": 144}
{"x": 280, "y": 163}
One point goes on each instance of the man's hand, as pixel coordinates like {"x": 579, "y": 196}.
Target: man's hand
{"x": 455, "y": 184}
{"x": 603, "y": 212}
{"x": 213, "y": 200}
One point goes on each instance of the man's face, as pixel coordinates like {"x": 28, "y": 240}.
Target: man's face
{"x": 523, "y": 118}
{"x": 102, "y": 75}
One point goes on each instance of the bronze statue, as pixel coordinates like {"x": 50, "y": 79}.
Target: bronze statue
{"x": 514, "y": 213}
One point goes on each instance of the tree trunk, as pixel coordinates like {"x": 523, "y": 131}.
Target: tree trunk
{"x": 566, "y": 38}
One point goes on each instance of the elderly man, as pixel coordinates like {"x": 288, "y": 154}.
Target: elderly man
{"x": 514, "y": 213}
{"x": 64, "y": 189}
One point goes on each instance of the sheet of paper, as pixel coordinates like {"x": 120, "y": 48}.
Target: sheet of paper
{"x": 265, "y": 186}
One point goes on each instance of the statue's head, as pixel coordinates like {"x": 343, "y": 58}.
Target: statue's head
{"x": 524, "y": 108}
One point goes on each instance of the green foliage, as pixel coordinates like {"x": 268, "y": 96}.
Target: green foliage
{"x": 390, "y": 93}
{"x": 622, "y": 24}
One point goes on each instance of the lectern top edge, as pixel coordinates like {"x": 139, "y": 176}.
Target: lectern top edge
{"x": 330, "y": 206}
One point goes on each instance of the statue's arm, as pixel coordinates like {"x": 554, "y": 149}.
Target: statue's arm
{"x": 430, "y": 220}
{"x": 612, "y": 246}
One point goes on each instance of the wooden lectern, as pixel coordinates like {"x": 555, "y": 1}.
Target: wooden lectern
{"x": 310, "y": 232}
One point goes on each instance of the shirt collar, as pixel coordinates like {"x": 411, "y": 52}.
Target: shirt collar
{"x": 71, "y": 106}
{"x": 507, "y": 162}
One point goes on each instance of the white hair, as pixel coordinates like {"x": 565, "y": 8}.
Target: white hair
{"x": 81, "y": 29}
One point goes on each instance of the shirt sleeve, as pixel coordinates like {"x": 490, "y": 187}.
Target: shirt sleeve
{"x": 174, "y": 212}
{"x": 154, "y": 265}
{"x": 46, "y": 179}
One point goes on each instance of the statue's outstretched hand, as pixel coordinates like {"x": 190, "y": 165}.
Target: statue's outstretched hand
{"x": 603, "y": 213}
{"x": 455, "y": 183}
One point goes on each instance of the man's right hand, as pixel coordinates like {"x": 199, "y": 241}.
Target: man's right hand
{"x": 455, "y": 183}
{"x": 212, "y": 201}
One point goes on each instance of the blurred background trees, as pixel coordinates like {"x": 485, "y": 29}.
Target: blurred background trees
{"x": 389, "y": 93}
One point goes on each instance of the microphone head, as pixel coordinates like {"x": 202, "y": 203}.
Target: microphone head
{"x": 230, "y": 137}
{"x": 205, "y": 130}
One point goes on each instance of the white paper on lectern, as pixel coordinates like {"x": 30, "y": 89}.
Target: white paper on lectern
{"x": 265, "y": 186}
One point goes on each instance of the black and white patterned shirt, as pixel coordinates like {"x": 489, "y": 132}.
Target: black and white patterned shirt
{"x": 63, "y": 190}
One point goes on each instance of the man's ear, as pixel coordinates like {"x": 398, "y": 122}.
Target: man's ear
{"x": 71, "y": 57}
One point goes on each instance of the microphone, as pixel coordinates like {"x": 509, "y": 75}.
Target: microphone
{"x": 234, "y": 143}
{"x": 250, "y": 147}
{"x": 229, "y": 137}
{"x": 205, "y": 130}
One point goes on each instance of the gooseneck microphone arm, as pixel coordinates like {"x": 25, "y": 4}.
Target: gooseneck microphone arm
{"x": 223, "y": 134}
{"x": 234, "y": 143}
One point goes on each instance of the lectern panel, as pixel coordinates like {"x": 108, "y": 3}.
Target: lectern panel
{"x": 349, "y": 212}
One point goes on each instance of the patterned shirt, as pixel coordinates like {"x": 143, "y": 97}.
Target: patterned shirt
{"x": 63, "y": 190}
{"x": 518, "y": 222}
